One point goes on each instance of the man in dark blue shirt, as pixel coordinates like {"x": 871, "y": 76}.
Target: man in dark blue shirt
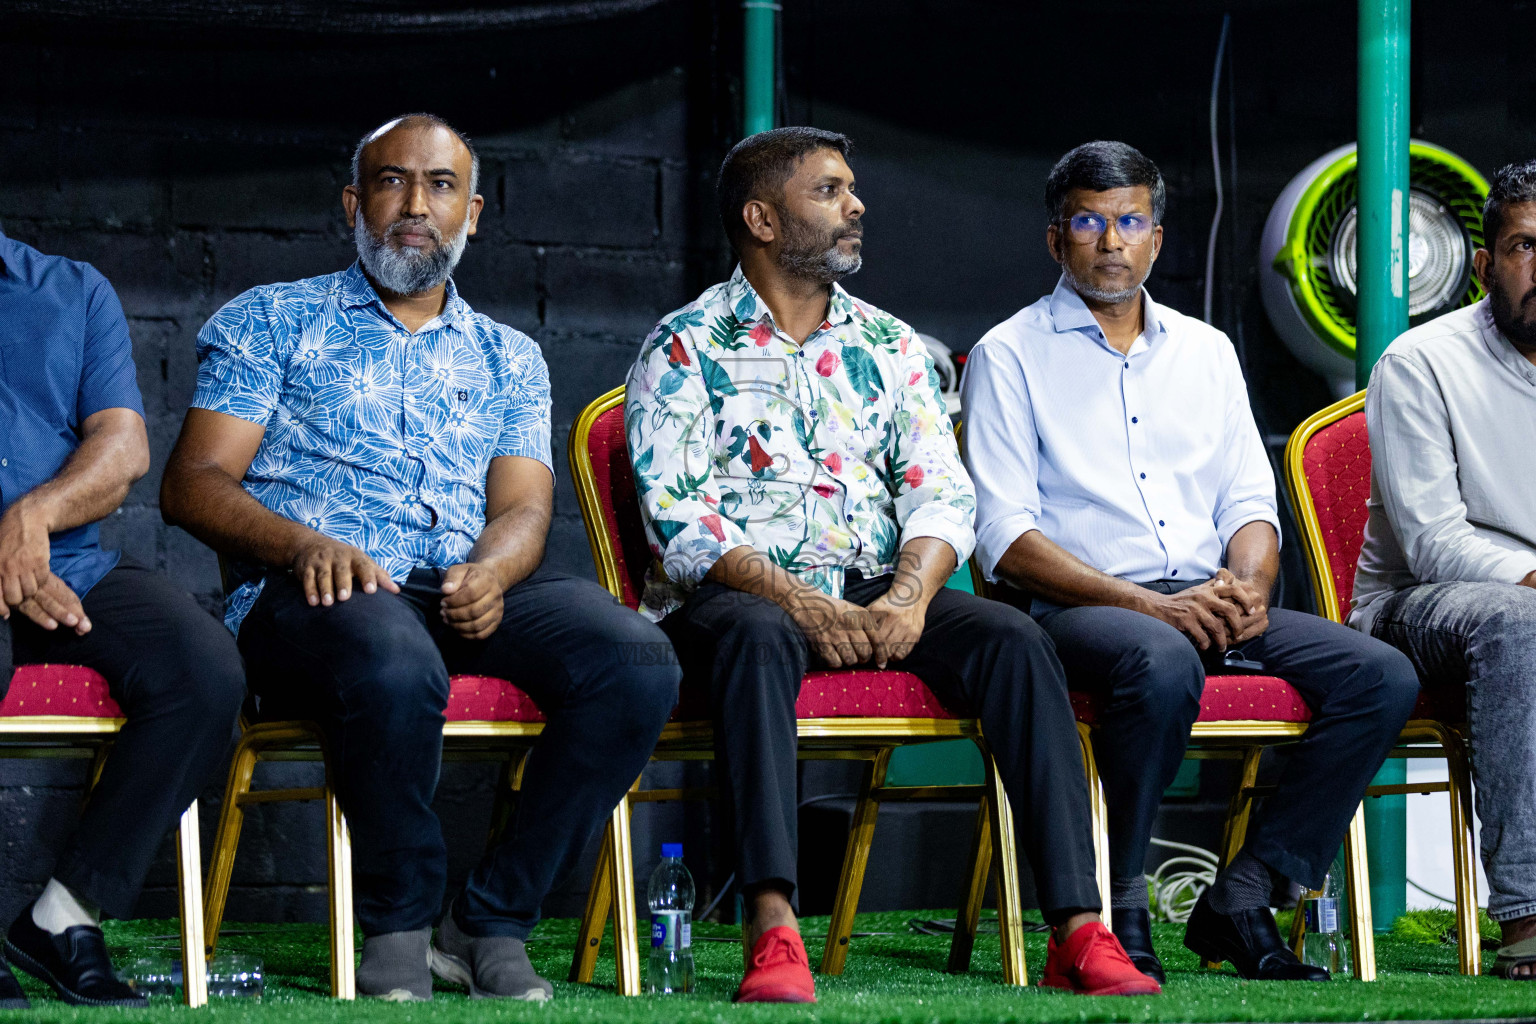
{"x": 72, "y": 442}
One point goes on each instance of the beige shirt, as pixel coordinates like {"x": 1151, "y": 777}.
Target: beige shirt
{"x": 1451, "y": 411}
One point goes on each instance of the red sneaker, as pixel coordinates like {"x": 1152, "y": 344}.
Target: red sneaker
{"x": 780, "y": 972}
{"x": 1092, "y": 963}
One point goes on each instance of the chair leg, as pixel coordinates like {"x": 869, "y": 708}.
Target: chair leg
{"x": 972, "y": 893}
{"x": 1238, "y": 811}
{"x": 593, "y": 919}
{"x": 1358, "y": 871}
{"x": 189, "y": 885}
{"x": 339, "y": 856}
{"x": 855, "y": 861}
{"x": 1010, "y": 914}
{"x": 226, "y": 840}
{"x": 1099, "y": 814}
{"x": 621, "y": 882}
{"x": 1463, "y": 854}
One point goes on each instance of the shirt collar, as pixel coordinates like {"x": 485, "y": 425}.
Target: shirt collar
{"x": 1070, "y": 313}
{"x": 357, "y": 291}
{"x": 749, "y": 307}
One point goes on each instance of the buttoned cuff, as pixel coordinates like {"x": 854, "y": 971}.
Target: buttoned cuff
{"x": 995, "y": 538}
{"x": 948, "y": 524}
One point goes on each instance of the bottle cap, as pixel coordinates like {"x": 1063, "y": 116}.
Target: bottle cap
{"x": 672, "y": 850}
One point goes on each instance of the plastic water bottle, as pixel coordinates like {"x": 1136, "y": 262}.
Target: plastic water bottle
{"x": 670, "y": 894}
{"x": 1323, "y": 945}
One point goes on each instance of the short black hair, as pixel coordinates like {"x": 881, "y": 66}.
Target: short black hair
{"x": 1514, "y": 183}
{"x": 758, "y": 166}
{"x": 1099, "y": 167}
{"x": 416, "y": 120}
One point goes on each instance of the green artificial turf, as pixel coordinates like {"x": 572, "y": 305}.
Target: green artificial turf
{"x": 893, "y": 975}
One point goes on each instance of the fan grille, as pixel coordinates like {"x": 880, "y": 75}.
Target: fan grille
{"x": 1462, "y": 196}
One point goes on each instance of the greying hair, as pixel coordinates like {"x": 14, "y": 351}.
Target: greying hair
{"x": 1099, "y": 167}
{"x": 1514, "y": 183}
{"x": 420, "y": 119}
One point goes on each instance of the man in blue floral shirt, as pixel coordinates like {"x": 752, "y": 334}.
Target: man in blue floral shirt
{"x": 803, "y": 494}
{"x": 373, "y": 457}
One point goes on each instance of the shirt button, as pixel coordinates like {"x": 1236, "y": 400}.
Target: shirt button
{"x": 5, "y": 462}
{"x": 1161, "y": 523}
{"x": 1143, "y": 476}
{"x": 1127, "y": 366}
{"x": 1133, "y": 419}
{"x": 1174, "y": 573}
{"x": 850, "y": 517}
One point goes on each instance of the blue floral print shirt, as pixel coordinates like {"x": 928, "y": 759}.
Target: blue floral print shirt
{"x": 826, "y": 456}
{"x": 374, "y": 436}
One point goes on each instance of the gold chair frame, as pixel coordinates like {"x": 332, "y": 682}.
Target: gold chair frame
{"x": 1420, "y": 737}
{"x": 1236, "y": 740}
{"x": 870, "y": 740}
{"x": 37, "y": 736}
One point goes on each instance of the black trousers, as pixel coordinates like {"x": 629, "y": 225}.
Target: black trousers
{"x": 979, "y": 657}
{"x": 1149, "y": 677}
{"x": 174, "y": 671}
{"x": 373, "y": 671}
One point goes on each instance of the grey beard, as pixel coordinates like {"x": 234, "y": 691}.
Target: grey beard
{"x": 1088, "y": 291}
{"x": 824, "y": 267}
{"x": 407, "y": 271}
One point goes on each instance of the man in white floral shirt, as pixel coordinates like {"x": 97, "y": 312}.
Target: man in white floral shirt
{"x": 802, "y": 491}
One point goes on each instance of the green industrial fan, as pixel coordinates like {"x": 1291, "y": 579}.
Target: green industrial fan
{"x": 1307, "y": 255}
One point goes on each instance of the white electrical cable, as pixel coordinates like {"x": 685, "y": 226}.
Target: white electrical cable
{"x": 1178, "y": 881}
{"x": 1210, "y": 242}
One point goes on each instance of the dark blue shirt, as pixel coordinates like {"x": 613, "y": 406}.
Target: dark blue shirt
{"x": 64, "y": 356}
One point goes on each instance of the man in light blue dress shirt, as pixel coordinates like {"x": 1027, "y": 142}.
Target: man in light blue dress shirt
{"x": 373, "y": 456}
{"x": 1124, "y": 497}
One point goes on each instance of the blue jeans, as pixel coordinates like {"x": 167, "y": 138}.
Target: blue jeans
{"x": 1483, "y": 635}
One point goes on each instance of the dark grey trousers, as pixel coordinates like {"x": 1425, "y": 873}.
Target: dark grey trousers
{"x": 1149, "y": 677}
{"x": 174, "y": 671}
{"x": 373, "y": 671}
{"x": 979, "y": 657}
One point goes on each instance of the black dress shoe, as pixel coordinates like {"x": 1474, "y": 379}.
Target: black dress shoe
{"x": 1134, "y": 930}
{"x": 11, "y": 995}
{"x": 1249, "y": 940}
{"x": 75, "y": 963}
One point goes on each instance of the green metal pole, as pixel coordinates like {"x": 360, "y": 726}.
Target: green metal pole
{"x": 1382, "y": 259}
{"x": 758, "y": 71}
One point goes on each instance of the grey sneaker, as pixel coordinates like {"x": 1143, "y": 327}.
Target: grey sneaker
{"x": 493, "y": 967}
{"x": 395, "y": 967}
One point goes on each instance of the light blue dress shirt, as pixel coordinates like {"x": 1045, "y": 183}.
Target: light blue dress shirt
{"x": 1142, "y": 465}
{"x": 375, "y": 436}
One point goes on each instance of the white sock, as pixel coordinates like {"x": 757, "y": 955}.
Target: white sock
{"x": 58, "y": 909}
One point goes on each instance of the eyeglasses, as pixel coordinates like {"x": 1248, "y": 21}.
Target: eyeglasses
{"x": 1088, "y": 228}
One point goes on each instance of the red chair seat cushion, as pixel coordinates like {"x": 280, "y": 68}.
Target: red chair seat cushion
{"x": 866, "y": 693}
{"x": 488, "y": 699}
{"x": 59, "y": 690}
{"x": 1229, "y": 699}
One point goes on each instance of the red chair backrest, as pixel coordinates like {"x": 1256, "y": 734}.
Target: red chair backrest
{"x": 1336, "y": 462}
{"x": 618, "y": 503}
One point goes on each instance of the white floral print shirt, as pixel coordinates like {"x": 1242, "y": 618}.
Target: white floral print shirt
{"x": 826, "y": 456}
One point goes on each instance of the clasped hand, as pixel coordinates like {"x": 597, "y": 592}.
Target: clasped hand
{"x": 843, "y": 634}
{"x": 27, "y": 585}
{"x": 1220, "y": 613}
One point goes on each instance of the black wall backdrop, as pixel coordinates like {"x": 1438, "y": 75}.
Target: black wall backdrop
{"x": 193, "y": 150}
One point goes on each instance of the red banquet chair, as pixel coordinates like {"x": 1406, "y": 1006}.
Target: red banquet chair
{"x": 487, "y": 719}
{"x": 1239, "y": 717}
{"x": 859, "y": 714}
{"x": 67, "y": 711}
{"x": 1328, "y": 477}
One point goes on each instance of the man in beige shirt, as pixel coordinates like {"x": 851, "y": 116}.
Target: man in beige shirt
{"x": 1449, "y": 563}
